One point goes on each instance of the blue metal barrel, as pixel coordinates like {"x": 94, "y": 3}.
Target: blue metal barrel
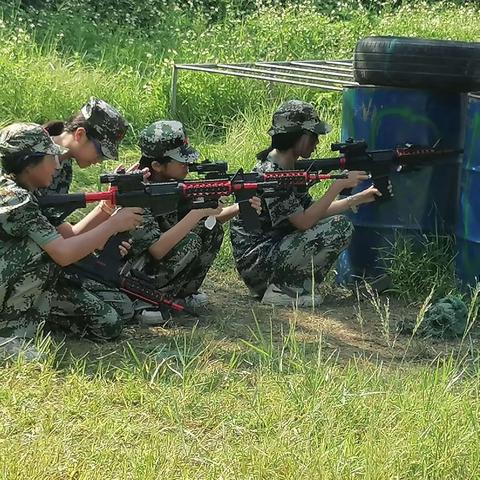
{"x": 468, "y": 226}
{"x": 425, "y": 200}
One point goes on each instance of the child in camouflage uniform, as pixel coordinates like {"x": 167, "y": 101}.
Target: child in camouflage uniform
{"x": 180, "y": 248}
{"x": 88, "y": 138}
{"x": 32, "y": 250}
{"x": 300, "y": 238}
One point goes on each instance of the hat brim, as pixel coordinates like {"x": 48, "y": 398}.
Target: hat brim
{"x": 183, "y": 154}
{"x": 109, "y": 149}
{"x": 321, "y": 128}
{"x": 52, "y": 149}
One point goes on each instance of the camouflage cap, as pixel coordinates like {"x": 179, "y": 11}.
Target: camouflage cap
{"x": 167, "y": 138}
{"x": 107, "y": 124}
{"x": 27, "y": 138}
{"x": 296, "y": 115}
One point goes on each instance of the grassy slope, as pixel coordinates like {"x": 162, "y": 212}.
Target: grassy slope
{"x": 199, "y": 409}
{"x": 207, "y": 421}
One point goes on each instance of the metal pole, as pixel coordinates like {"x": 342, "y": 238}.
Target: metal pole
{"x": 173, "y": 92}
{"x": 292, "y": 75}
{"x": 260, "y": 77}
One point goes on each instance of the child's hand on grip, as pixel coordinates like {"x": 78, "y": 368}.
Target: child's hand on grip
{"x": 125, "y": 219}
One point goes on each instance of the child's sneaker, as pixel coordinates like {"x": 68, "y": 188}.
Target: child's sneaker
{"x": 150, "y": 318}
{"x": 148, "y": 315}
{"x": 196, "y": 300}
{"x": 288, "y": 296}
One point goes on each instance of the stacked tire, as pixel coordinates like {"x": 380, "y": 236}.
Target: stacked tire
{"x": 418, "y": 63}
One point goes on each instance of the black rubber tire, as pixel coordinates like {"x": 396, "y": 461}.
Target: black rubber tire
{"x": 418, "y": 63}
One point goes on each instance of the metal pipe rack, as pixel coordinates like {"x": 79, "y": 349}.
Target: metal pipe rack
{"x": 328, "y": 75}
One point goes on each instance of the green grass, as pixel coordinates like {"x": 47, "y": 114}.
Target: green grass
{"x": 66, "y": 57}
{"x": 240, "y": 405}
{"x": 183, "y": 412}
{"x": 415, "y": 265}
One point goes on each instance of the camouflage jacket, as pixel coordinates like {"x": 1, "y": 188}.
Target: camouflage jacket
{"x": 20, "y": 217}
{"x": 274, "y": 223}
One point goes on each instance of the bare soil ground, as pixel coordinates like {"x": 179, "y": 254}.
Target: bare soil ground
{"x": 347, "y": 327}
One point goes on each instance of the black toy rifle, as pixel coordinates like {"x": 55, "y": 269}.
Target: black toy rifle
{"x": 379, "y": 163}
{"x": 109, "y": 268}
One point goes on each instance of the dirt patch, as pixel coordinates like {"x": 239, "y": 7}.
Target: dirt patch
{"x": 346, "y": 327}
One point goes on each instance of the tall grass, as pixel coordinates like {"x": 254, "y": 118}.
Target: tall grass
{"x": 418, "y": 264}
{"x": 269, "y": 411}
{"x": 52, "y": 61}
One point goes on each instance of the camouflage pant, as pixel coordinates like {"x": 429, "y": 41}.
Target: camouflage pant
{"x": 299, "y": 258}
{"x": 27, "y": 276}
{"x": 92, "y": 309}
{"x": 182, "y": 271}
{"x": 31, "y": 293}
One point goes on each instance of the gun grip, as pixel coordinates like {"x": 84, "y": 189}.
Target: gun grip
{"x": 384, "y": 186}
{"x": 110, "y": 254}
{"x": 249, "y": 215}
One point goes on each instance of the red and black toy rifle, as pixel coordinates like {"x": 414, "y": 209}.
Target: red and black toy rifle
{"x": 129, "y": 190}
{"x": 109, "y": 268}
{"x": 379, "y": 163}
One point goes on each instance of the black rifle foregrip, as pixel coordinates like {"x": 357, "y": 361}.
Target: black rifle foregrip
{"x": 247, "y": 213}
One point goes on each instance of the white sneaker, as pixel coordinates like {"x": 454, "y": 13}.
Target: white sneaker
{"x": 196, "y": 300}
{"x": 14, "y": 347}
{"x": 289, "y": 296}
{"x": 149, "y": 317}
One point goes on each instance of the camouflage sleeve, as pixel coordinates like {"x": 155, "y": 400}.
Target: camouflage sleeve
{"x": 24, "y": 219}
{"x": 61, "y": 183}
{"x": 146, "y": 235}
{"x": 280, "y": 208}
{"x": 55, "y": 216}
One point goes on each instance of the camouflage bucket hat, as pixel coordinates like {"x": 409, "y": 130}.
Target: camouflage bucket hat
{"x": 296, "y": 115}
{"x": 167, "y": 139}
{"x": 107, "y": 124}
{"x": 26, "y": 139}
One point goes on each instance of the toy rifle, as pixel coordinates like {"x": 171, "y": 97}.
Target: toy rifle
{"x": 129, "y": 190}
{"x": 379, "y": 163}
{"x": 109, "y": 268}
